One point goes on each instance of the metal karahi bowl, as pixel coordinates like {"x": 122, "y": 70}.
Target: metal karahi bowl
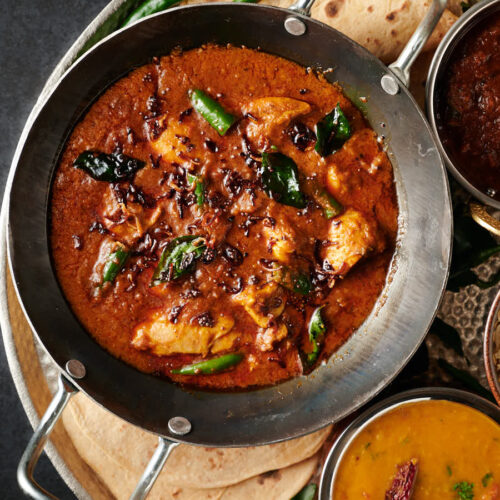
{"x": 491, "y": 348}
{"x": 424, "y": 394}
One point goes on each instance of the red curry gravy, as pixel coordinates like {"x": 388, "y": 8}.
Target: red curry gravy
{"x": 235, "y": 296}
{"x": 470, "y": 118}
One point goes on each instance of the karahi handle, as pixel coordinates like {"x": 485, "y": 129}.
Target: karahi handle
{"x": 401, "y": 66}
{"x": 36, "y": 444}
{"x": 154, "y": 467}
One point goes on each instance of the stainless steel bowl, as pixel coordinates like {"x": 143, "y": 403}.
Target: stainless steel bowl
{"x": 437, "y": 71}
{"x": 492, "y": 344}
{"x": 424, "y": 394}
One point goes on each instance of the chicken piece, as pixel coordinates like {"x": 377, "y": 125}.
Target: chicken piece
{"x": 161, "y": 337}
{"x": 341, "y": 181}
{"x": 281, "y": 238}
{"x": 128, "y": 222}
{"x": 264, "y": 305}
{"x": 351, "y": 236}
{"x": 272, "y": 115}
{"x": 173, "y": 143}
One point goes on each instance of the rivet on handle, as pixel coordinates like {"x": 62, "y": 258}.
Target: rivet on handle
{"x": 295, "y": 26}
{"x": 76, "y": 369}
{"x": 389, "y": 84}
{"x": 179, "y": 426}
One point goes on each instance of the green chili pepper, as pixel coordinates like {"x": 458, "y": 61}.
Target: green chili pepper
{"x": 114, "y": 167}
{"x": 280, "y": 179}
{"x": 214, "y": 365}
{"x": 331, "y": 132}
{"x": 331, "y": 207}
{"x": 114, "y": 264}
{"x": 317, "y": 331}
{"x": 178, "y": 258}
{"x": 147, "y": 8}
{"x": 199, "y": 188}
{"x": 306, "y": 493}
{"x": 212, "y": 111}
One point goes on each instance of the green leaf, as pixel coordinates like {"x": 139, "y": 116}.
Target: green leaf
{"x": 147, "y": 8}
{"x": 178, "y": 258}
{"x": 486, "y": 479}
{"x": 306, "y": 493}
{"x": 465, "y": 490}
{"x": 448, "y": 335}
{"x": 280, "y": 179}
{"x": 114, "y": 167}
{"x": 467, "y": 379}
{"x": 332, "y": 131}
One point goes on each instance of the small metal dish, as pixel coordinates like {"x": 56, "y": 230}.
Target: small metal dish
{"x": 437, "y": 72}
{"x": 492, "y": 345}
{"x": 427, "y": 393}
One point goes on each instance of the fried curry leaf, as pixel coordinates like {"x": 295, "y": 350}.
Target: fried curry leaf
{"x": 332, "y": 131}
{"x": 178, "y": 258}
{"x": 306, "y": 493}
{"x": 317, "y": 331}
{"x": 114, "y": 264}
{"x": 199, "y": 188}
{"x": 280, "y": 179}
{"x": 210, "y": 366}
{"x": 295, "y": 281}
{"x": 113, "y": 167}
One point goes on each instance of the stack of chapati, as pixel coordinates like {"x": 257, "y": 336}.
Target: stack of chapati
{"x": 119, "y": 452}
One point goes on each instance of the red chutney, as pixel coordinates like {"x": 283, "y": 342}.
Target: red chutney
{"x": 470, "y": 115}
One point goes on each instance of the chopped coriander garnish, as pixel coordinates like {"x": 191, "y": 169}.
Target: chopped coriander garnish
{"x": 448, "y": 470}
{"x": 465, "y": 490}
{"x": 367, "y": 445}
{"x": 486, "y": 479}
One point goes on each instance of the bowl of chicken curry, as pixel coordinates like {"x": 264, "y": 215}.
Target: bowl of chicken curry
{"x": 223, "y": 217}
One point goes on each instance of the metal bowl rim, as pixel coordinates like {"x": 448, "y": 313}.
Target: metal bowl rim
{"x": 492, "y": 373}
{"x": 405, "y": 91}
{"x": 345, "y": 438}
{"x": 455, "y": 34}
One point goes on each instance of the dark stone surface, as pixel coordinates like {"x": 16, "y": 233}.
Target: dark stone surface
{"x": 34, "y": 35}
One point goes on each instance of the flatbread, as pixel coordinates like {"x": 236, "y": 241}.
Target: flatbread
{"x": 275, "y": 485}
{"x": 188, "y": 466}
{"x": 381, "y": 26}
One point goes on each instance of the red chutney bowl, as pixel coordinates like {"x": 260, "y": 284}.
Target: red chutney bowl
{"x": 462, "y": 106}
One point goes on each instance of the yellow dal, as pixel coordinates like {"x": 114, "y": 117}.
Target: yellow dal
{"x": 442, "y": 435}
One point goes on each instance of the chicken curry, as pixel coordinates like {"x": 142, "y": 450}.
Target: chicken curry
{"x": 223, "y": 217}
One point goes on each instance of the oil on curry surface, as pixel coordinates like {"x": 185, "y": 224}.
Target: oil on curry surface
{"x": 223, "y": 206}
